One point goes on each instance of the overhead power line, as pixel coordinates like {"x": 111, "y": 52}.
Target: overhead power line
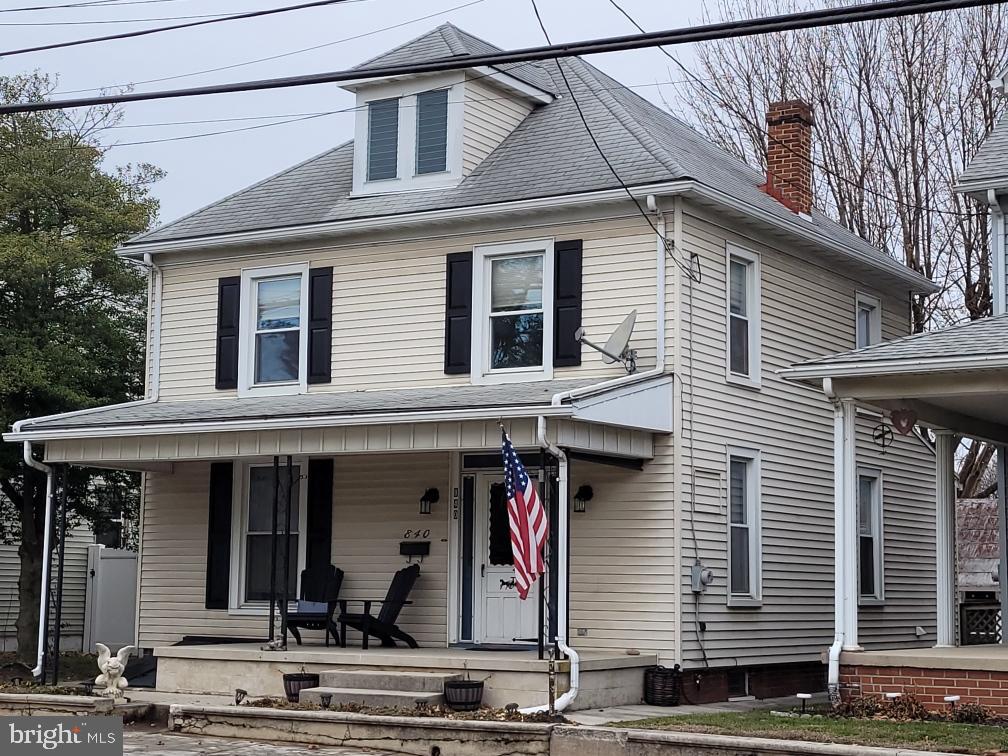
{"x": 88, "y": 4}
{"x": 174, "y": 27}
{"x": 707, "y": 32}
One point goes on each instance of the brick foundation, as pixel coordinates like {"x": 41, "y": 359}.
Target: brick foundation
{"x": 930, "y": 686}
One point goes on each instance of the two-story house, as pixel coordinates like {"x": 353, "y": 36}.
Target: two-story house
{"x": 363, "y": 321}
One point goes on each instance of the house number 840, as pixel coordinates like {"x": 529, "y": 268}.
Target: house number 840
{"x": 417, "y": 533}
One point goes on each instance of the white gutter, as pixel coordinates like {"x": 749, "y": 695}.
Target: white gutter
{"x": 46, "y": 545}
{"x": 998, "y": 252}
{"x": 839, "y": 557}
{"x": 889, "y": 367}
{"x": 385, "y": 222}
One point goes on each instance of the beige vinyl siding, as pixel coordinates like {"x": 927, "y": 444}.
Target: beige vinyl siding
{"x": 74, "y": 590}
{"x": 376, "y": 500}
{"x": 807, "y": 311}
{"x": 490, "y": 115}
{"x": 623, "y": 565}
{"x": 389, "y": 303}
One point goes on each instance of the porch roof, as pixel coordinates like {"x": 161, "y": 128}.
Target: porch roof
{"x": 954, "y": 379}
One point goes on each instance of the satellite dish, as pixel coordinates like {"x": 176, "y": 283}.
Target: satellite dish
{"x": 616, "y": 348}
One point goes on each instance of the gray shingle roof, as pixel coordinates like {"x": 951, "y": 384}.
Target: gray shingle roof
{"x": 448, "y": 41}
{"x": 989, "y": 167}
{"x": 344, "y": 403}
{"x": 549, "y": 154}
{"x": 985, "y": 337}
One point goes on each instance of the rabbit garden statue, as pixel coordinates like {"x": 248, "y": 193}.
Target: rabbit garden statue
{"x": 111, "y": 683}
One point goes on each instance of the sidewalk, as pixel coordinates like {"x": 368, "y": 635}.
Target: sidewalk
{"x": 596, "y": 717}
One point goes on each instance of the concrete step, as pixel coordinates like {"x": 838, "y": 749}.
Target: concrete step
{"x": 366, "y": 679}
{"x": 398, "y": 698}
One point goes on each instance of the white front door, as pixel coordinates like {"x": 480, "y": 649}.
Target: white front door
{"x": 502, "y": 617}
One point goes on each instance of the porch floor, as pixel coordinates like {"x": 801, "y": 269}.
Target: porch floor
{"x": 985, "y": 658}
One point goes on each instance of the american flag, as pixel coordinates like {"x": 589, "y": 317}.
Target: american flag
{"x": 527, "y": 518}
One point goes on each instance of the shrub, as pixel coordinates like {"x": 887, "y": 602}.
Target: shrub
{"x": 860, "y": 707}
{"x": 906, "y": 707}
{"x": 970, "y": 713}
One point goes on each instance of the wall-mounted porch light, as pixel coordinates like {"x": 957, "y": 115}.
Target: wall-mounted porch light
{"x": 582, "y": 496}
{"x": 430, "y": 496}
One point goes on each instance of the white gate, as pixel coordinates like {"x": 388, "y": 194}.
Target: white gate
{"x": 110, "y": 614}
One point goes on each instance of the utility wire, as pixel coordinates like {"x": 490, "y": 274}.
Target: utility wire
{"x": 189, "y": 25}
{"x": 111, "y": 20}
{"x": 89, "y": 4}
{"x": 772, "y": 139}
{"x": 274, "y": 57}
{"x": 722, "y": 30}
{"x": 598, "y": 148}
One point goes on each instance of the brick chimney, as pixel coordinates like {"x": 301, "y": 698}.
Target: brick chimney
{"x": 789, "y": 154}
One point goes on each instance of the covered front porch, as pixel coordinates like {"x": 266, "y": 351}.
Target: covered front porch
{"x": 950, "y": 385}
{"x": 371, "y": 495}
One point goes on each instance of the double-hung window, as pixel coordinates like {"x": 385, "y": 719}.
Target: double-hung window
{"x": 744, "y": 557}
{"x": 516, "y": 334}
{"x": 254, "y": 530}
{"x": 273, "y": 348}
{"x": 868, "y": 324}
{"x": 743, "y": 296}
{"x": 869, "y": 505}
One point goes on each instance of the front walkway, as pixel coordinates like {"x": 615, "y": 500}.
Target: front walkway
{"x": 596, "y": 717}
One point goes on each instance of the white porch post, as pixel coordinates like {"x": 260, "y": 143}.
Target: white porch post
{"x": 1002, "y": 497}
{"x": 945, "y": 536}
{"x": 846, "y": 536}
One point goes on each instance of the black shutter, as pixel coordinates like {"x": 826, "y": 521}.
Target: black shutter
{"x": 320, "y": 513}
{"x": 320, "y": 325}
{"x": 228, "y": 305}
{"x": 567, "y": 303}
{"x": 219, "y": 536}
{"x": 458, "y": 313}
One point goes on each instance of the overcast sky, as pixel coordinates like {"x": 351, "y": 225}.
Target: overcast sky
{"x": 202, "y": 170}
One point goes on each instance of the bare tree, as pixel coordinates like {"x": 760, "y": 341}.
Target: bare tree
{"x": 900, "y": 106}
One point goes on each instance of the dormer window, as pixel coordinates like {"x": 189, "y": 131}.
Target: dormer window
{"x": 383, "y": 139}
{"x": 432, "y": 132}
{"x": 409, "y": 135}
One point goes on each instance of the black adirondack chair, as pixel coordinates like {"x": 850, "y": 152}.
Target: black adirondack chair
{"x": 383, "y": 627}
{"x": 319, "y": 586}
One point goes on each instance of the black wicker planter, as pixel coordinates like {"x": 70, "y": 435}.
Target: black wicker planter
{"x": 662, "y": 686}
{"x": 295, "y": 682}
{"x": 463, "y": 695}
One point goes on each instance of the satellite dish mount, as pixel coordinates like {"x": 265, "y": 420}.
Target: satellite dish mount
{"x": 617, "y": 347}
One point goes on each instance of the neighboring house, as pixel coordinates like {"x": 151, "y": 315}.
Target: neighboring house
{"x": 952, "y": 381}
{"x": 375, "y": 311}
{"x": 977, "y": 553}
{"x": 75, "y": 586}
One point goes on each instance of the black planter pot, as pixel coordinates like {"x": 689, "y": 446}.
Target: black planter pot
{"x": 463, "y": 695}
{"x": 662, "y": 686}
{"x": 295, "y": 682}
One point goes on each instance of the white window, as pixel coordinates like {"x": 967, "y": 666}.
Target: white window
{"x": 252, "y": 533}
{"x": 273, "y": 347}
{"x": 870, "y": 538}
{"x": 743, "y": 316}
{"x": 408, "y": 134}
{"x": 744, "y": 543}
{"x": 868, "y": 326}
{"x": 513, "y": 297}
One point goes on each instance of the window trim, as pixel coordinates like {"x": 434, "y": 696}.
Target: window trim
{"x": 875, "y": 324}
{"x": 239, "y": 508}
{"x": 753, "y": 599}
{"x": 753, "y": 290}
{"x": 483, "y": 255}
{"x": 406, "y": 91}
{"x": 247, "y": 331}
{"x": 878, "y": 521}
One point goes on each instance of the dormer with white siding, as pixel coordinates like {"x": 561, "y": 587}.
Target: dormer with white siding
{"x": 432, "y": 130}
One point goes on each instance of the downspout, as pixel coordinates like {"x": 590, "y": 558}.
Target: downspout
{"x": 998, "y": 250}
{"x": 563, "y": 609}
{"x": 46, "y": 545}
{"x": 839, "y": 556}
{"x": 153, "y": 328}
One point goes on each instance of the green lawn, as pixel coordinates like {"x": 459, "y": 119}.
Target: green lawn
{"x": 924, "y": 736}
